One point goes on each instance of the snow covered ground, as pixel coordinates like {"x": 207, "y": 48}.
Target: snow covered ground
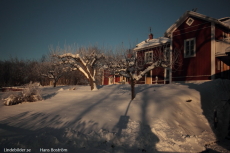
{"x": 162, "y": 118}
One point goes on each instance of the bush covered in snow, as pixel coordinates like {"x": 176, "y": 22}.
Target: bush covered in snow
{"x": 31, "y": 93}
{"x": 13, "y": 99}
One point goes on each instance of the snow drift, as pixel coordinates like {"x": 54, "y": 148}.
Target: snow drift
{"x": 162, "y": 118}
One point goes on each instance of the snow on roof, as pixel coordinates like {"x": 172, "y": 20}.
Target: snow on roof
{"x": 225, "y": 20}
{"x": 152, "y": 42}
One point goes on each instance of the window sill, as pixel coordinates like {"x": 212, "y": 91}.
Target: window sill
{"x": 189, "y": 56}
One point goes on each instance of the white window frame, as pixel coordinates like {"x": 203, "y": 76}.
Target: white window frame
{"x": 147, "y": 58}
{"x": 190, "y": 21}
{"x": 188, "y": 49}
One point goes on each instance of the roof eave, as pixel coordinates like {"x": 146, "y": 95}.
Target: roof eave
{"x": 153, "y": 46}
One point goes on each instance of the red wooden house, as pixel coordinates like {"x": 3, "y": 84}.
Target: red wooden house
{"x": 146, "y": 51}
{"x": 204, "y": 44}
{"x": 109, "y": 78}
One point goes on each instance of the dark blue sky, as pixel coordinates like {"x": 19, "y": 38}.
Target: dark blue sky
{"x": 29, "y": 27}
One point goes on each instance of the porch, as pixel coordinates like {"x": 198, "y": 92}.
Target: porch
{"x": 223, "y": 59}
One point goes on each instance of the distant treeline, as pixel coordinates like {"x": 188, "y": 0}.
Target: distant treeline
{"x": 15, "y": 72}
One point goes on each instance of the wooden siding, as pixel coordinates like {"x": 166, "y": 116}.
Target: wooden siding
{"x": 198, "y": 67}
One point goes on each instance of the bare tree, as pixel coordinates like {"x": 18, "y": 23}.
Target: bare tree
{"x": 52, "y": 69}
{"x": 86, "y": 60}
{"x": 134, "y": 65}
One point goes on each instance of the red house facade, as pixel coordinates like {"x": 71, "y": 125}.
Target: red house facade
{"x": 205, "y": 42}
{"x": 109, "y": 78}
{"x": 204, "y": 45}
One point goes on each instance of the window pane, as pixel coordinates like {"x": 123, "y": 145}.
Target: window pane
{"x": 192, "y": 47}
{"x": 192, "y": 42}
{"x": 187, "y": 50}
{"x": 150, "y": 56}
{"x": 192, "y": 51}
{"x": 187, "y": 43}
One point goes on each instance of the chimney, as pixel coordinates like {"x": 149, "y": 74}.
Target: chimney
{"x": 150, "y": 36}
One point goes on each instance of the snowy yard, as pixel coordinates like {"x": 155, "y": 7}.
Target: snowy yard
{"x": 162, "y": 118}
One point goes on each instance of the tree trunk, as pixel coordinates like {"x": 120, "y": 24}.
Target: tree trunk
{"x": 55, "y": 83}
{"x": 93, "y": 84}
{"x": 132, "y": 89}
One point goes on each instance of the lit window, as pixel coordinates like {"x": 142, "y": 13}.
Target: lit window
{"x": 149, "y": 56}
{"x": 189, "y": 21}
{"x": 190, "y": 47}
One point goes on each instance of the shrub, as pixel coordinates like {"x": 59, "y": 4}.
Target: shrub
{"x": 31, "y": 93}
{"x": 13, "y": 99}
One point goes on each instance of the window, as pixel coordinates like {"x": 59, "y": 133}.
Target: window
{"x": 189, "y": 21}
{"x": 190, "y": 47}
{"x": 149, "y": 56}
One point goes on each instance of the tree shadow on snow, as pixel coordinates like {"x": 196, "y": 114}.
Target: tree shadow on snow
{"x": 215, "y": 103}
{"x": 139, "y": 136}
{"x": 46, "y": 130}
{"x": 48, "y": 96}
{"x": 141, "y": 88}
{"x": 39, "y": 130}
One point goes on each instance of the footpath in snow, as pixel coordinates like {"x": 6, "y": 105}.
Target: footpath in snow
{"x": 162, "y": 118}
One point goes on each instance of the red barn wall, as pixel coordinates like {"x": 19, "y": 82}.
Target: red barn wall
{"x": 106, "y": 77}
{"x": 106, "y": 80}
{"x": 198, "y": 67}
{"x": 117, "y": 78}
